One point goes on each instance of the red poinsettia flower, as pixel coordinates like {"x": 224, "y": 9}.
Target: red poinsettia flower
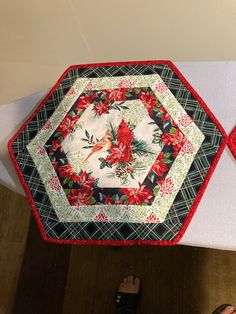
{"x": 55, "y": 145}
{"x": 67, "y": 125}
{"x": 176, "y": 139}
{"x": 137, "y": 196}
{"x": 176, "y": 150}
{"x": 117, "y": 95}
{"x": 83, "y": 102}
{"x": 109, "y": 200}
{"x": 159, "y": 166}
{"x": 119, "y": 153}
{"x": 67, "y": 172}
{"x": 85, "y": 181}
{"x": 55, "y": 163}
{"x": 166, "y": 115}
{"x": 79, "y": 197}
{"x": 149, "y": 101}
{"x": 101, "y": 108}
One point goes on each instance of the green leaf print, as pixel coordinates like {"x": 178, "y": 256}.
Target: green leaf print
{"x": 92, "y": 200}
{"x": 172, "y": 130}
{"x": 70, "y": 184}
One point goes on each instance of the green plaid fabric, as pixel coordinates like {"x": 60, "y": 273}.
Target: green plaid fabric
{"x": 182, "y": 204}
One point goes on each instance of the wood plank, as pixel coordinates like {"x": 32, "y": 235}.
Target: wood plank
{"x": 95, "y": 273}
{"x": 43, "y": 275}
{"x": 216, "y": 272}
{"x": 178, "y": 280}
{"x": 183, "y": 279}
{"x": 14, "y": 221}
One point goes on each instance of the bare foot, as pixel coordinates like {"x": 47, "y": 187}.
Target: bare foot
{"x": 229, "y": 310}
{"x": 130, "y": 285}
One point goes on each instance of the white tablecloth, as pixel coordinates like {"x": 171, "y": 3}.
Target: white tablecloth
{"x": 214, "y": 223}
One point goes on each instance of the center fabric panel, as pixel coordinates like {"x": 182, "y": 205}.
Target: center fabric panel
{"x": 115, "y": 146}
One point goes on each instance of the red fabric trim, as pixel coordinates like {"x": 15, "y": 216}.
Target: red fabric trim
{"x": 124, "y": 242}
{"x": 232, "y": 142}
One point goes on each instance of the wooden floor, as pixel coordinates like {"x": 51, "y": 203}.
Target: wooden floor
{"x": 41, "y": 278}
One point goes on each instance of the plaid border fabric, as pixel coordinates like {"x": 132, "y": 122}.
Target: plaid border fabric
{"x": 180, "y": 211}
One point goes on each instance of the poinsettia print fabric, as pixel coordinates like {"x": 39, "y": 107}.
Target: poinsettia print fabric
{"x": 115, "y": 153}
{"x": 113, "y": 148}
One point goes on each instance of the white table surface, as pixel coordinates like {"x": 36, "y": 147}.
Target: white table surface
{"x": 214, "y": 223}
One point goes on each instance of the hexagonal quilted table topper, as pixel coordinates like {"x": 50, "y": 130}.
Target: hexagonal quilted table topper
{"x": 117, "y": 153}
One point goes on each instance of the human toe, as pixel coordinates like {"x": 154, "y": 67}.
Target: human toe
{"x": 228, "y": 310}
{"x": 130, "y": 280}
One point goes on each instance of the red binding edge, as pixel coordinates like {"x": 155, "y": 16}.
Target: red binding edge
{"x": 123, "y": 242}
{"x": 232, "y": 142}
